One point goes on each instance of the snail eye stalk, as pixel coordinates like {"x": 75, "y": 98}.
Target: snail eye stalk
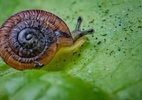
{"x": 77, "y": 32}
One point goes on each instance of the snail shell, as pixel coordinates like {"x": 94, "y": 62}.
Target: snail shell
{"x": 30, "y": 39}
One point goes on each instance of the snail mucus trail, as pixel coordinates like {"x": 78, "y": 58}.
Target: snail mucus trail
{"x": 30, "y": 39}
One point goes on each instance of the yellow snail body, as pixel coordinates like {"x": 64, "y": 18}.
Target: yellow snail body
{"x": 31, "y": 38}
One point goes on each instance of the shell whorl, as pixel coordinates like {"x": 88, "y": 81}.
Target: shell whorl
{"x": 32, "y": 36}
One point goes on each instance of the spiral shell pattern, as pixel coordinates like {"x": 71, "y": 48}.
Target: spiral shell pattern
{"x": 30, "y": 39}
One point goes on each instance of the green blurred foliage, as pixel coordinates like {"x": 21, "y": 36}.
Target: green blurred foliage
{"x": 40, "y": 85}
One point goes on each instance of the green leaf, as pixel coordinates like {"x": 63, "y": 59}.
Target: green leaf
{"x": 40, "y": 85}
{"x": 110, "y": 60}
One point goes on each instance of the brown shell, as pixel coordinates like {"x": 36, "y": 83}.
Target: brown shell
{"x": 50, "y": 20}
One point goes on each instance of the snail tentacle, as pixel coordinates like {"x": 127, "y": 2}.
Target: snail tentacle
{"x": 77, "y": 32}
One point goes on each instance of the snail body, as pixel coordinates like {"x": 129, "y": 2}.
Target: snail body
{"x": 31, "y": 38}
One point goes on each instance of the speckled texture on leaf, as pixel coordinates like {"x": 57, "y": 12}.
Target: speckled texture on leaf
{"x": 110, "y": 59}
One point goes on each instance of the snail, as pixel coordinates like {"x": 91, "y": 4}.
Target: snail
{"x": 30, "y": 39}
